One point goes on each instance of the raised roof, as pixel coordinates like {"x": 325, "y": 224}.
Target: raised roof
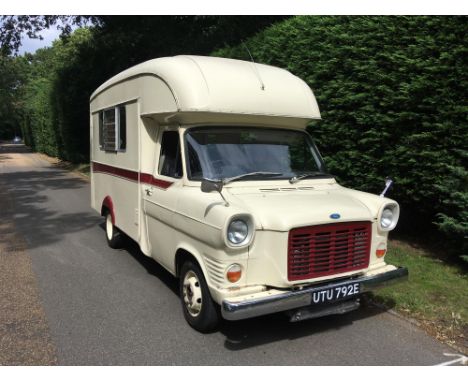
{"x": 222, "y": 85}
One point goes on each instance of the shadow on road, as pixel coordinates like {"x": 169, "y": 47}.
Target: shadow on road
{"x": 31, "y": 192}
{"x": 258, "y": 331}
{"x": 250, "y": 333}
{"x": 11, "y": 148}
{"x": 150, "y": 265}
{"x": 4, "y": 158}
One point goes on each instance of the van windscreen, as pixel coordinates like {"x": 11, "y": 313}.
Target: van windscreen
{"x": 226, "y": 152}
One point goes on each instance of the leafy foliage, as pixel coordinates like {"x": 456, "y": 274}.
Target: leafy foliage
{"x": 60, "y": 80}
{"x": 11, "y": 75}
{"x": 453, "y": 221}
{"x": 13, "y": 27}
{"x": 392, "y": 91}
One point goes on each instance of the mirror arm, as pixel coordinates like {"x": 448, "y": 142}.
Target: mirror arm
{"x": 209, "y": 185}
{"x": 226, "y": 203}
{"x": 388, "y": 184}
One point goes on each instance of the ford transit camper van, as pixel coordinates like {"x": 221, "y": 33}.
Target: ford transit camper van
{"x": 206, "y": 163}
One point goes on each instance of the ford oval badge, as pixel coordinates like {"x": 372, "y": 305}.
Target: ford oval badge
{"x": 335, "y": 216}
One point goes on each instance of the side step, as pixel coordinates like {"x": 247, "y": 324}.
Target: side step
{"x": 307, "y": 313}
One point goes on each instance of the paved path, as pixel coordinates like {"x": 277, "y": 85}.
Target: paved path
{"x": 119, "y": 307}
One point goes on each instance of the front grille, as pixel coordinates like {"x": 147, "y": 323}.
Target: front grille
{"x": 328, "y": 249}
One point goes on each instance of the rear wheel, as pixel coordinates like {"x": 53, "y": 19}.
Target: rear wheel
{"x": 113, "y": 235}
{"x": 200, "y": 310}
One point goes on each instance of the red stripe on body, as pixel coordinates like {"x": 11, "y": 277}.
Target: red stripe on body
{"x": 131, "y": 175}
{"x": 116, "y": 171}
{"x": 151, "y": 180}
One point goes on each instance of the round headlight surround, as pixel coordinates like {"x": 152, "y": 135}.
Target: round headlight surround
{"x": 239, "y": 231}
{"x": 388, "y": 217}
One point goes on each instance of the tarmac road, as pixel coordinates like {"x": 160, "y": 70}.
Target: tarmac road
{"x": 108, "y": 307}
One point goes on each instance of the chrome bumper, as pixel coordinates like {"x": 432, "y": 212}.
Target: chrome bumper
{"x": 300, "y": 298}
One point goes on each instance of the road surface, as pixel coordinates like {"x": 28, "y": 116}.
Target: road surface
{"x": 118, "y": 307}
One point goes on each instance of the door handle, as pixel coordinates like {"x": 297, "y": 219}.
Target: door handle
{"x": 149, "y": 191}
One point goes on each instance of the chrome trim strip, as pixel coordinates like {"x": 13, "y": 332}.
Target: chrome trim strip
{"x": 296, "y": 299}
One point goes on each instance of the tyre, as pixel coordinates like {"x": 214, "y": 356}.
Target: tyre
{"x": 200, "y": 311}
{"x": 113, "y": 235}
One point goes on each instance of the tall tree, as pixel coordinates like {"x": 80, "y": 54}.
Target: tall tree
{"x": 203, "y": 32}
{"x": 56, "y": 120}
{"x": 13, "y": 28}
{"x": 12, "y": 75}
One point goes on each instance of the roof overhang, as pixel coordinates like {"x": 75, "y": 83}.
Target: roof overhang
{"x": 232, "y": 119}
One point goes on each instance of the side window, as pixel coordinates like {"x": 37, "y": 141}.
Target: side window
{"x": 300, "y": 156}
{"x": 113, "y": 129}
{"x": 170, "y": 162}
{"x": 122, "y": 128}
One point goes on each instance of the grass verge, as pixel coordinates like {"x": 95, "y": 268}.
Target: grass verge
{"x": 80, "y": 168}
{"x": 436, "y": 294}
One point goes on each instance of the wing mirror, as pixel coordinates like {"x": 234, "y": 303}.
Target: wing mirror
{"x": 211, "y": 185}
{"x": 388, "y": 184}
{"x": 208, "y": 185}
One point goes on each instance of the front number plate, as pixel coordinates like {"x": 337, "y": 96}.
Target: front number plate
{"x": 335, "y": 293}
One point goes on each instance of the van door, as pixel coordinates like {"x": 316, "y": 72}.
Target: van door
{"x": 160, "y": 192}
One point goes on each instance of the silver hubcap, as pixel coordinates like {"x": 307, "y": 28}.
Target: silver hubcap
{"x": 109, "y": 226}
{"x": 192, "y": 293}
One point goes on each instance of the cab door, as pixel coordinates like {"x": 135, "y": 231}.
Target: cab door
{"x": 160, "y": 193}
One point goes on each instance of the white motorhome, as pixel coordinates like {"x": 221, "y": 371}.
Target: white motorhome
{"x": 206, "y": 164}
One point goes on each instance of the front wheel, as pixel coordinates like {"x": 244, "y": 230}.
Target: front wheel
{"x": 200, "y": 311}
{"x": 113, "y": 235}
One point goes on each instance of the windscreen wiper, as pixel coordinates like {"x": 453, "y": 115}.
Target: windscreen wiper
{"x": 262, "y": 173}
{"x": 314, "y": 174}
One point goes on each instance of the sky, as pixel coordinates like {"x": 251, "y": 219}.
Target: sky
{"x": 31, "y": 45}
{"x": 280, "y": 7}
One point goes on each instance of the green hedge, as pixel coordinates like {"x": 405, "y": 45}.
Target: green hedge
{"x": 55, "y": 113}
{"x": 60, "y": 80}
{"x": 392, "y": 93}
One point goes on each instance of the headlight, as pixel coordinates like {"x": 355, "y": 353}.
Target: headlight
{"x": 238, "y": 231}
{"x": 389, "y": 217}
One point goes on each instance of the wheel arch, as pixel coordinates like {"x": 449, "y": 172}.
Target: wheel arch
{"x": 208, "y": 318}
{"x": 108, "y": 205}
{"x": 186, "y": 252}
{"x": 183, "y": 254}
